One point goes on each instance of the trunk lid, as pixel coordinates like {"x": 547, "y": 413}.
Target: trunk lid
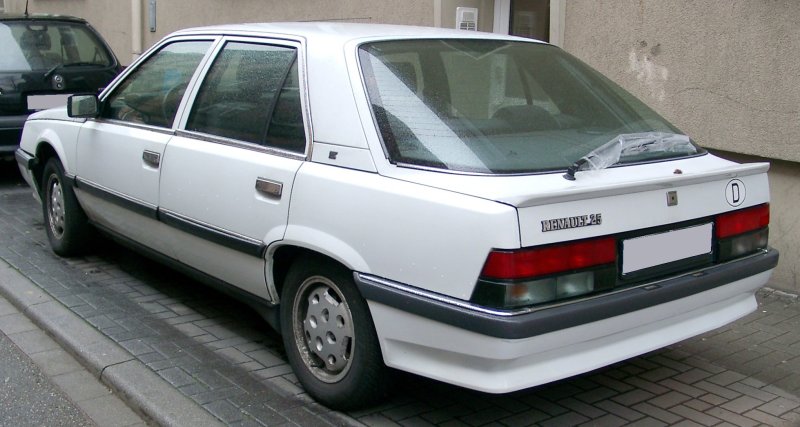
{"x": 612, "y": 201}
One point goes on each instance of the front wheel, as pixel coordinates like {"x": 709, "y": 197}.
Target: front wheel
{"x": 67, "y": 227}
{"x": 329, "y": 336}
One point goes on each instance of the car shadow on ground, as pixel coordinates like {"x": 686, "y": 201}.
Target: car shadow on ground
{"x": 9, "y": 175}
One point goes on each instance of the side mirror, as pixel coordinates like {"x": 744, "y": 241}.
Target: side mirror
{"x": 83, "y": 106}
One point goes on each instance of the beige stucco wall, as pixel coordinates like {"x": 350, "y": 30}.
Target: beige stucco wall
{"x": 724, "y": 71}
{"x": 485, "y": 13}
{"x": 173, "y": 15}
{"x": 112, "y": 17}
{"x": 784, "y": 229}
{"x": 785, "y": 223}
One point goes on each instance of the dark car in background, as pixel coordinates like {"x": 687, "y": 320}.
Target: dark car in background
{"x": 46, "y": 58}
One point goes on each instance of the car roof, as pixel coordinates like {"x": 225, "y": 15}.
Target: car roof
{"x": 329, "y": 48}
{"x": 41, "y": 17}
{"x": 342, "y": 32}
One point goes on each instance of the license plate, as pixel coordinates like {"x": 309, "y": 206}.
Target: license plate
{"x": 41, "y": 102}
{"x": 656, "y": 249}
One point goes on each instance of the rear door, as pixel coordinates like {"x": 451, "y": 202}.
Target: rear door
{"x": 119, "y": 154}
{"x": 228, "y": 174}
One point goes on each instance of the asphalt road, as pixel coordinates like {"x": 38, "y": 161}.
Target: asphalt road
{"x": 40, "y": 383}
{"x": 28, "y": 397}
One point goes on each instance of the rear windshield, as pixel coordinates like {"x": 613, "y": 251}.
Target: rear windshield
{"x": 41, "y": 45}
{"x": 500, "y": 107}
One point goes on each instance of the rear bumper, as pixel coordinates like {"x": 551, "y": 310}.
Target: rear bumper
{"x": 500, "y": 354}
{"x": 516, "y": 325}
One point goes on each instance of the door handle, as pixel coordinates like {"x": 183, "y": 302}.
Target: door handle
{"x": 269, "y": 188}
{"x": 151, "y": 158}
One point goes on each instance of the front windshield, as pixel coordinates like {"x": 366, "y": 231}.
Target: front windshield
{"x": 41, "y": 45}
{"x": 501, "y": 107}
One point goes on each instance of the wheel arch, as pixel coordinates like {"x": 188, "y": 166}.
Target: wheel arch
{"x": 328, "y": 331}
{"x": 48, "y": 147}
{"x": 44, "y": 152}
{"x": 283, "y": 254}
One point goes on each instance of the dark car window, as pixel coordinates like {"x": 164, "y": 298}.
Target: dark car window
{"x": 41, "y": 45}
{"x": 152, "y": 93}
{"x": 286, "y": 126}
{"x": 238, "y": 97}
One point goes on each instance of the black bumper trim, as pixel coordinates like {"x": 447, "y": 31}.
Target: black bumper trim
{"x": 14, "y": 121}
{"x": 564, "y": 316}
{"x": 24, "y": 159}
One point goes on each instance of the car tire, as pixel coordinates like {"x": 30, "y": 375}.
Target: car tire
{"x": 65, "y": 222}
{"x": 330, "y": 338}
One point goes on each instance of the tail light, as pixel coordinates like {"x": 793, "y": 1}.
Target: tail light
{"x": 530, "y": 276}
{"x": 742, "y": 232}
{"x": 544, "y": 274}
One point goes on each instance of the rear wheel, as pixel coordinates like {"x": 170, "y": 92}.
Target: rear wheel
{"x": 329, "y": 336}
{"x": 67, "y": 227}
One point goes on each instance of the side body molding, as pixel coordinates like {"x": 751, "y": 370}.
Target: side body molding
{"x": 230, "y": 240}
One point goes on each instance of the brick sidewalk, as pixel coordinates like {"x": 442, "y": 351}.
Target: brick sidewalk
{"x": 227, "y": 360}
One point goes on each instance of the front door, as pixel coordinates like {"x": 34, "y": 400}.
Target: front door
{"x": 119, "y": 154}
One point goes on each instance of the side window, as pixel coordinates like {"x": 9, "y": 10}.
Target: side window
{"x": 152, "y": 93}
{"x": 286, "y": 126}
{"x": 251, "y": 94}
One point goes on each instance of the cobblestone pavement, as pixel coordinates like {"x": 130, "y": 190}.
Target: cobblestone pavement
{"x": 226, "y": 359}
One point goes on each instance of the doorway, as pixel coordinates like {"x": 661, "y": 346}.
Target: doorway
{"x": 530, "y": 19}
{"x": 538, "y": 19}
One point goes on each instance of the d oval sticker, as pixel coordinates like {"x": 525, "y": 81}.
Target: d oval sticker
{"x": 735, "y": 192}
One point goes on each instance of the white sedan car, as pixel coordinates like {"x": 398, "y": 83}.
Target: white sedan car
{"x": 480, "y": 209}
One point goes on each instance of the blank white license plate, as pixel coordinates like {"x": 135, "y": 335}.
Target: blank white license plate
{"x": 41, "y": 102}
{"x": 656, "y": 249}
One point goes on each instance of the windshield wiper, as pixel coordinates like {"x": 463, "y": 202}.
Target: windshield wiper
{"x": 629, "y": 144}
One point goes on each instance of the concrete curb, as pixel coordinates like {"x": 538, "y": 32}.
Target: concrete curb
{"x": 137, "y": 385}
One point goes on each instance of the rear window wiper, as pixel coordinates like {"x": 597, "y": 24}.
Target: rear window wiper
{"x": 54, "y": 68}
{"x": 629, "y": 144}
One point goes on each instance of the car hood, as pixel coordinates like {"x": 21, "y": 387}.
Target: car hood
{"x": 57, "y": 113}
